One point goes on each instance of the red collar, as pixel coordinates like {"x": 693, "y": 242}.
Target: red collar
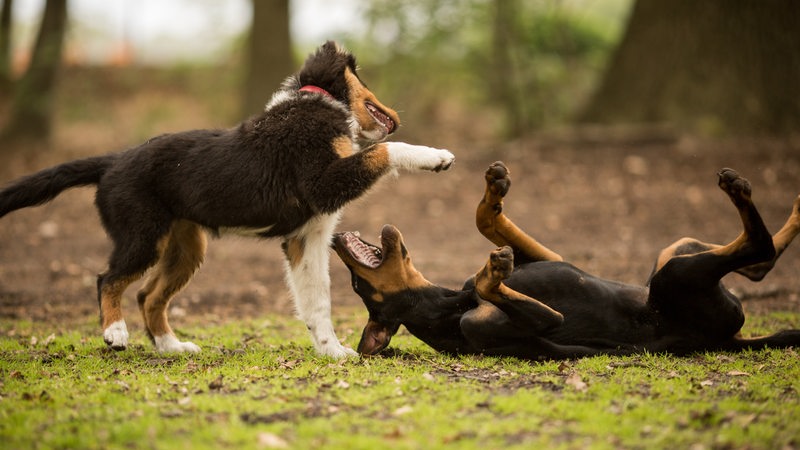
{"x": 317, "y": 89}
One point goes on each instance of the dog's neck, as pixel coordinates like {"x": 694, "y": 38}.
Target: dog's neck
{"x": 435, "y": 316}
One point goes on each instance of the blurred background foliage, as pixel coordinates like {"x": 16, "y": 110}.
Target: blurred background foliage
{"x": 458, "y": 71}
{"x": 526, "y": 64}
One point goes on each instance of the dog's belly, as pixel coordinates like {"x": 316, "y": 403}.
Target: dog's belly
{"x": 594, "y": 309}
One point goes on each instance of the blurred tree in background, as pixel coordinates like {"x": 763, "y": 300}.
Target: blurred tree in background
{"x": 5, "y": 48}
{"x": 717, "y": 66}
{"x": 466, "y": 69}
{"x": 269, "y": 54}
{"x": 533, "y": 62}
{"x": 33, "y": 95}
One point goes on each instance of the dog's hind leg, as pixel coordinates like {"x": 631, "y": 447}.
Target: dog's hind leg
{"x": 182, "y": 252}
{"x": 780, "y": 241}
{"x": 753, "y": 244}
{"x": 307, "y": 264}
{"x": 127, "y": 264}
{"x": 136, "y": 228}
{"x": 686, "y": 286}
{"x": 755, "y": 272}
{"x": 499, "y": 229}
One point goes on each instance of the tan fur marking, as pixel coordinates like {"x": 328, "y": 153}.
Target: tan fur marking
{"x": 395, "y": 274}
{"x": 343, "y": 146}
{"x": 295, "y": 247}
{"x": 359, "y": 94}
{"x": 182, "y": 255}
{"x": 668, "y": 253}
{"x": 501, "y": 231}
{"x": 392, "y": 277}
{"x": 789, "y": 231}
{"x": 489, "y": 286}
{"x": 111, "y": 300}
{"x": 378, "y": 158}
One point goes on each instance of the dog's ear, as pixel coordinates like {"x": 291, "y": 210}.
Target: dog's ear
{"x": 375, "y": 338}
{"x": 331, "y": 47}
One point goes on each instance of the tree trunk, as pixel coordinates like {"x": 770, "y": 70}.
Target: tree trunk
{"x": 717, "y": 66}
{"x": 5, "y": 49}
{"x": 503, "y": 69}
{"x": 269, "y": 57}
{"x": 31, "y": 111}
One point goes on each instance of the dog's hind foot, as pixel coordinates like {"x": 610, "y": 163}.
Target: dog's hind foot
{"x": 116, "y": 335}
{"x": 737, "y": 188}
{"x": 169, "y": 343}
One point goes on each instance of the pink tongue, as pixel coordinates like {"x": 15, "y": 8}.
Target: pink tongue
{"x": 387, "y": 122}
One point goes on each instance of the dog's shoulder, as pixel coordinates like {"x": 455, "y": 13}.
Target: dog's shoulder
{"x": 297, "y": 121}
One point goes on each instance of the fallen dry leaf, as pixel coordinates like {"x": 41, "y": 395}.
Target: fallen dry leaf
{"x": 738, "y": 373}
{"x": 216, "y": 384}
{"x": 576, "y": 382}
{"x": 270, "y": 440}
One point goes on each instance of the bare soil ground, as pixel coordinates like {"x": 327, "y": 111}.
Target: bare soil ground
{"x": 607, "y": 200}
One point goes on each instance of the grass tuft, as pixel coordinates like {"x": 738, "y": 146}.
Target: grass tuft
{"x": 257, "y": 384}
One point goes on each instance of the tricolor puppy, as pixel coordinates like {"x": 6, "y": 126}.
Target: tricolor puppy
{"x": 527, "y": 302}
{"x": 284, "y": 173}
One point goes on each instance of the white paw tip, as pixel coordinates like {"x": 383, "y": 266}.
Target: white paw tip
{"x": 116, "y": 335}
{"x": 336, "y": 351}
{"x": 168, "y": 343}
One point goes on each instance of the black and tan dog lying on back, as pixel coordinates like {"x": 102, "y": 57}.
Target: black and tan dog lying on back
{"x": 526, "y": 302}
{"x": 285, "y": 173}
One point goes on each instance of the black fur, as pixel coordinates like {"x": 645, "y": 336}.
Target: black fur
{"x": 551, "y": 309}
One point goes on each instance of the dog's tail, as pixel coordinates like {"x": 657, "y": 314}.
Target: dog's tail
{"x": 43, "y": 186}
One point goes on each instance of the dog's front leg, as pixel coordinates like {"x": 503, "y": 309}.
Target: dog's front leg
{"x": 417, "y": 157}
{"x": 309, "y": 282}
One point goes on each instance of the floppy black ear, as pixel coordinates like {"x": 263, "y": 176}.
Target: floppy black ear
{"x": 374, "y": 338}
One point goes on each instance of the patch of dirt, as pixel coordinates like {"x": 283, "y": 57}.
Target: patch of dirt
{"x": 608, "y": 204}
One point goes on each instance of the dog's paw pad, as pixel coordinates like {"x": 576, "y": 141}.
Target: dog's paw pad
{"x": 733, "y": 184}
{"x": 116, "y": 335}
{"x": 497, "y": 180}
{"x": 502, "y": 262}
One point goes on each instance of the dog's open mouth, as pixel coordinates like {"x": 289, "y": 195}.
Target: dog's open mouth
{"x": 364, "y": 253}
{"x": 381, "y": 117}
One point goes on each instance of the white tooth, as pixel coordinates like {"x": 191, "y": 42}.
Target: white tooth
{"x": 356, "y": 233}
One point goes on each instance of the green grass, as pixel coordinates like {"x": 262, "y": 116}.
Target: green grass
{"x": 257, "y": 384}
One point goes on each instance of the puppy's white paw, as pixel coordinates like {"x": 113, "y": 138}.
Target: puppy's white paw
{"x": 418, "y": 157}
{"x": 335, "y": 350}
{"x": 168, "y": 343}
{"x": 116, "y": 335}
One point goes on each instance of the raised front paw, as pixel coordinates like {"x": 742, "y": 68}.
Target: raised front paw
{"x": 497, "y": 177}
{"x": 434, "y": 159}
{"x": 418, "y": 157}
{"x": 734, "y": 185}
